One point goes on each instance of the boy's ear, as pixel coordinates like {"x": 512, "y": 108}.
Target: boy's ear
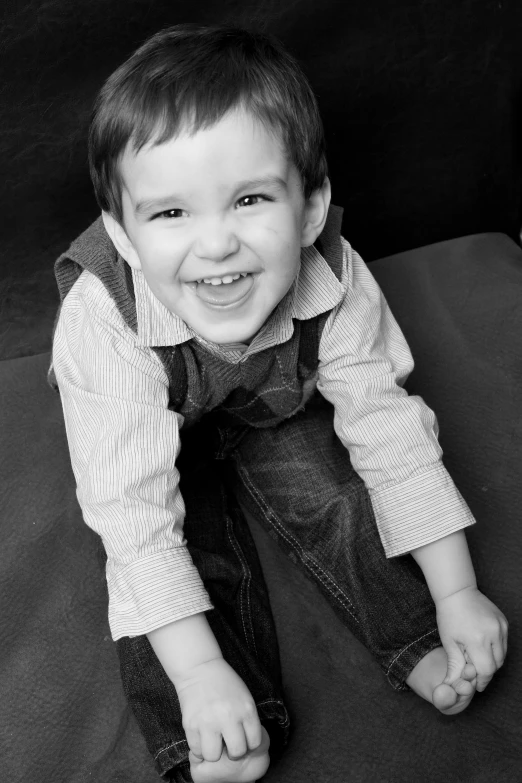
{"x": 315, "y": 213}
{"x": 120, "y": 240}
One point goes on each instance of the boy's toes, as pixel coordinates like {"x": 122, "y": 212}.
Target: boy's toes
{"x": 444, "y": 697}
{"x": 464, "y": 687}
{"x": 469, "y": 672}
{"x": 452, "y": 699}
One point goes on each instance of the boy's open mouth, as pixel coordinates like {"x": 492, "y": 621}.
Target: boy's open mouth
{"x": 225, "y": 290}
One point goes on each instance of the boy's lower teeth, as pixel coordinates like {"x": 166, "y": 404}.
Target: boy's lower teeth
{"x": 225, "y": 293}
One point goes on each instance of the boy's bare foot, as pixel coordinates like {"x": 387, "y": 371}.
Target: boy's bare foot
{"x": 427, "y": 680}
{"x": 247, "y": 769}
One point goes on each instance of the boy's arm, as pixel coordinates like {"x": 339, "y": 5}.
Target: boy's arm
{"x": 215, "y": 703}
{"x": 393, "y": 445}
{"x": 124, "y": 443}
{"x": 446, "y": 565}
{"x": 391, "y": 437}
{"x": 471, "y": 627}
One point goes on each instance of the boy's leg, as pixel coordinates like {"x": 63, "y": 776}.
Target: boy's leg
{"x": 223, "y": 550}
{"x": 297, "y": 480}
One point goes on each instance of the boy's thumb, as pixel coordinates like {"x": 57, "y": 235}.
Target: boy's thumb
{"x": 456, "y": 663}
{"x": 195, "y": 759}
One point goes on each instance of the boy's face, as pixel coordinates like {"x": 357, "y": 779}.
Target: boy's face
{"x": 216, "y": 222}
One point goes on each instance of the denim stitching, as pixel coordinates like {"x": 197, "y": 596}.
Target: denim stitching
{"x": 270, "y": 701}
{"x": 287, "y": 381}
{"x": 305, "y": 557}
{"x": 168, "y": 747}
{"x": 286, "y": 721}
{"x": 429, "y": 633}
{"x": 244, "y": 584}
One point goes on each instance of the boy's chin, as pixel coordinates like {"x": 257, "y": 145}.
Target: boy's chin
{"x": 231, "y": 337}
{"x": 227, "y": 334}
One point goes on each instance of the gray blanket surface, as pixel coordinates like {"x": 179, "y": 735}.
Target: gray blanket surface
{"x": 62, "y": 711}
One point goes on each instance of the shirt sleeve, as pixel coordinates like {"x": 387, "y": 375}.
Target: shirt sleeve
{"x": 391, "y": 436}
{"x": 123, "y": 442}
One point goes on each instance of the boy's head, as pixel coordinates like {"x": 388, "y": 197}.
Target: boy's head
{"x": 207, "y": 157}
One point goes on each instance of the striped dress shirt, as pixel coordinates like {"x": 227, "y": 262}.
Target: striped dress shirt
{"x": 124, "y": 440}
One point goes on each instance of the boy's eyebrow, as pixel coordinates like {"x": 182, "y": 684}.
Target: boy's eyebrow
{"x": 260, "y": 182}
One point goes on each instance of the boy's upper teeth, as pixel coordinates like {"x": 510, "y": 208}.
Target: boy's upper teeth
{"x": 225, "y": 279}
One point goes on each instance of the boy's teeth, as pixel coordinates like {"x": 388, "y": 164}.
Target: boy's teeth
{"x": 226, "y": 279}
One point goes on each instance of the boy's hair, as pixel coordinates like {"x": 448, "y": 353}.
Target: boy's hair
{"x": 190, "y": 76}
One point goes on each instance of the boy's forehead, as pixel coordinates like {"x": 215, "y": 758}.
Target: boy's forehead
{"x": 237, "y": 130}
{"x": 238, "y": 149}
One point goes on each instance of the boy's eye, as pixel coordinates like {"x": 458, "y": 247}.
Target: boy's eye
{"x": 170, "y": 213}
{"x": 250, "y": 201}
{"x": 245, "y": 201}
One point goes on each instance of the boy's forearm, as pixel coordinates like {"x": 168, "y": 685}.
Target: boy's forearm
{"x": 182, "y": 645}
{"x": 446, "y": 565}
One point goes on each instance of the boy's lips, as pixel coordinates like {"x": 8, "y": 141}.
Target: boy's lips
{"x": 226, "y": 293}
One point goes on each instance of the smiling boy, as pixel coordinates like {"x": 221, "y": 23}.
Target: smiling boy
{"x": 222, "y": 298}
{"x": 221, "y": 270}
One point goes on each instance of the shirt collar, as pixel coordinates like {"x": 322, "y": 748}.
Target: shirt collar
{"x": 315, "y": 290}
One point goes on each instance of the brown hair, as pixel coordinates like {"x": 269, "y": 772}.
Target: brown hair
{"x": 195, "y": 75}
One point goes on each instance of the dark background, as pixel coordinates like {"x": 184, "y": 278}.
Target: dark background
{"x": 420, "y": 102}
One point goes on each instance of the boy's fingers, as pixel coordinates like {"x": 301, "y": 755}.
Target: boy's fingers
{"x": 235, "y": 740}
{"x": 253, "y": 732}
{"x": 195, "y": 759}
{"x": 194, "y": 742}
{"x": 498, "y": 653}
{"x": 456, "y": 664}
{"x": 211, "y": 745}
{"x": 485, "y": 664}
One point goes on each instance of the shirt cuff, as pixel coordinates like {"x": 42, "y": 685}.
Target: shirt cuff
{"x": 154, "y": 591}
{"x": 418, "y": 511}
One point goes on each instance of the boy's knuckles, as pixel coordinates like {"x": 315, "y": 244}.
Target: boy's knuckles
{"x": 212, "y": 755}
{"x": 483, "y": 637}
{"x": 200, "y": 723}
{"x": 217, "y": 714}
{"x": 249, "y": 711}
{"x": 236, "y": 752}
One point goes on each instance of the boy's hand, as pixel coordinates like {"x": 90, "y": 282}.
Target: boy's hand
{"x": 473, "y": 630}
{"x": 217, "y": 706}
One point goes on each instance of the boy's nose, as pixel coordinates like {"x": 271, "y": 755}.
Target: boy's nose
{"x": 216, "y": 240}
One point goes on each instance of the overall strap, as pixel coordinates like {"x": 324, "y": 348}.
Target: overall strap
{"x": 94, "y": 251}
